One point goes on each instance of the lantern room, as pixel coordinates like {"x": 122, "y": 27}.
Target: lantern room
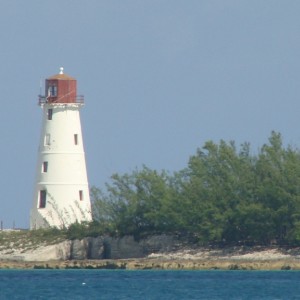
{"x": 60, "y": 88}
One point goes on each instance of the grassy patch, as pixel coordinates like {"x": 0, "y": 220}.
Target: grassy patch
{"x": 30, "y": 239}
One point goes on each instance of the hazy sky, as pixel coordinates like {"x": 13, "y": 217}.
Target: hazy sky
{"x": 160, "y": 77}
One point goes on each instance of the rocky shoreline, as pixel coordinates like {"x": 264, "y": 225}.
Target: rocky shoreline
{"x": 187, "y": 259}
{"x": 159, "y": 252}
{"x": 157, "y": 264}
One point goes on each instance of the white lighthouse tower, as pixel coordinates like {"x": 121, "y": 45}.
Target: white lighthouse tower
{"x": 61, "y": 194}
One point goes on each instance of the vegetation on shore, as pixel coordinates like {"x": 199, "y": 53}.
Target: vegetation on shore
{"x": 30, "y": 239}
{"x": 226, "y": 195}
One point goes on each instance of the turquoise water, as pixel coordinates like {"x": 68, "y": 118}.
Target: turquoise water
{"x": 105, "y": 284}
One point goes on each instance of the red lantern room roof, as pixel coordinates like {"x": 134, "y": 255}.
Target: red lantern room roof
{"x": 61, "y": 76}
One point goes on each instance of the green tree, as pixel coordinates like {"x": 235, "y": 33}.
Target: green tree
{"x": 217, "y": 180}
{"x": 135, "y": 203}
{"x": 278, "y": 182}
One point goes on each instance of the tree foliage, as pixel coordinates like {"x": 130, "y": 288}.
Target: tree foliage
{"x": 225, "y": 195}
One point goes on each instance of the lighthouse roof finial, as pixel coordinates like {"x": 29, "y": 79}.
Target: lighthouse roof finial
{"x": 61, "y": 70}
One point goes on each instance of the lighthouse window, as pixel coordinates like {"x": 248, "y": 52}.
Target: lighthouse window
{"x": 50, "y": 112}
{"x": 76, "y": 139}
{"x": 43, "y": 196}
{"x": 45, "y": 167}
{"x": 52, "y": 91}
{"x": 80, "y": 195}
{"x": 47, "y": 139}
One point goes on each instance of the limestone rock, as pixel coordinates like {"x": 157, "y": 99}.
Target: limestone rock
{"x": 96, "y": 248}
{"x": 79, "y": 249}
{"x": 59, "y": 251}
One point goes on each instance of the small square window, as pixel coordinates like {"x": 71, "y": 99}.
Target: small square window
{"x": 43, "y": 198}
{"x": 50, "y": 113}
{"x": 80, "y": 195}
{"x": 76, "y": 139}
{"x": 47, "y": 140}
{"x": 45, "y": 167}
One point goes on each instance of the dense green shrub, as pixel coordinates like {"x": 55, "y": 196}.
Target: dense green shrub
{"x": 224, "y": 196}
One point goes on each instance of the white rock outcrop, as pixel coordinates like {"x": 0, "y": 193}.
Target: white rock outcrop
{"x": 61, "y": 251}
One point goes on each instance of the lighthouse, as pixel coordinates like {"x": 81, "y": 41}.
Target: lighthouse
{"x": 61, "y": 195}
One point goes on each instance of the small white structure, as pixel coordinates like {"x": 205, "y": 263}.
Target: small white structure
{"x": 61, "y": 194}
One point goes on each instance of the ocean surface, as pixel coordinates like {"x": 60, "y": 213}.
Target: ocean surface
{"x": 122, "y": 284}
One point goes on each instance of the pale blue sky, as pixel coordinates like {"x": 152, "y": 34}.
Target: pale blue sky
{"x": 160, "y": 77}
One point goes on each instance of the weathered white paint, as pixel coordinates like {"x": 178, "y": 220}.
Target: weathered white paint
{"x": 66, "y": 174}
